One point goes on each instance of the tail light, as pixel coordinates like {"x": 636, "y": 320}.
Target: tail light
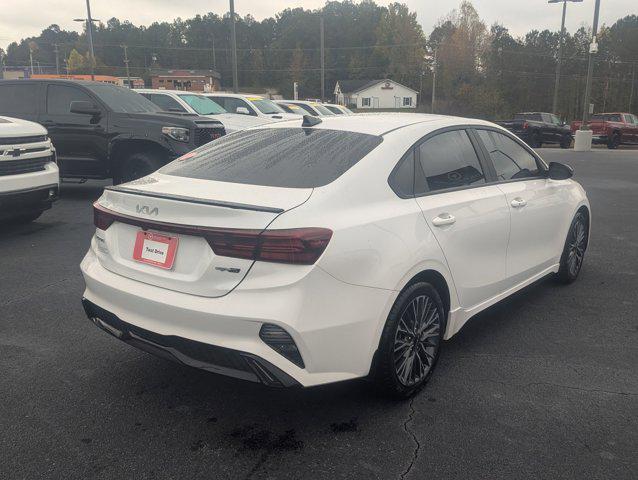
{"x": 301, "y": 246}
{"x": 525, "y": 125}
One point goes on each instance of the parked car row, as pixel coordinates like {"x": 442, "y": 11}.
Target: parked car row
{"x": 540, "y": 128}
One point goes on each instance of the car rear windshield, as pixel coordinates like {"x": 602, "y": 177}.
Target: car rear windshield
{"x": 277, "y": 157}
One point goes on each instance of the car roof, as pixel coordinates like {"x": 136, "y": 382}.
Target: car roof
{"x": 248, "y": 96}
{"x": 381, "y": 123}
{"x": 161, "y": 90}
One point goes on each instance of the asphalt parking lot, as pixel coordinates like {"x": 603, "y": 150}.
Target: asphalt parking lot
{"x": 541, "y": 386}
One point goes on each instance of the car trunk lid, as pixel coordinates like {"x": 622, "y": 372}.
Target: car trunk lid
{"x": 186, "y": 209}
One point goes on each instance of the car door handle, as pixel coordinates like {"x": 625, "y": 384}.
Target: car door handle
{"x": 518, "y": 202}
{"x": 443, "y": 219}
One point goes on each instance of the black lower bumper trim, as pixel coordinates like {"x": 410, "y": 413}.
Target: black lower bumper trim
{"x": 212, "y": 358}
{"x": 30, "y": 200}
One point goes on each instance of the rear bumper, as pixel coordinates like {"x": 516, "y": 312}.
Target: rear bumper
{"x": 225, "y": 361}
{"x": 335, "y": 326}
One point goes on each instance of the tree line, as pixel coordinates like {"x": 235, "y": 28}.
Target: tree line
{"x": 481, "y": 70}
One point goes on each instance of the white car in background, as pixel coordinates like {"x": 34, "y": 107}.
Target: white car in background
{"x": 321, "y": 250}
{"x": 253, "y": 105}
{"x": 29, "y": 175}
{"x": 338, "y": 109}
{"x": 196, "y": 103}
{"x": 303, "y": 107}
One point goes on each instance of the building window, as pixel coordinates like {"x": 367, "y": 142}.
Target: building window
{"x": 161, "y": 80}
{"x": 365, "y": 101}
{"x": 407, "y": 101}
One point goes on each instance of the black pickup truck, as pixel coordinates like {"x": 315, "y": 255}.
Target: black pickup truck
{"x": 103, "y": 131}
{"x": 538, "y": 128}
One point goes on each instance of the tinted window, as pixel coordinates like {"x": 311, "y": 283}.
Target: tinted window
{"x": 277, "y": 157}
{"x": 165, "y": 102}
{"x": 59, "y": 98}
{"x": 448, "y": 160}
{"x": 402, "y": 178}
{"x": 122, "y": 99}
{"x": 305, "y": 107}
{"x": 334, "y": 110}
{"x": 266, "y": 106}
{"x": 511, "y": 160}
{"x": 19, "y": 98}
{"x": 202, "y": 105}
{"x": 615, "y": 118}
{"x": 231, "y": 104}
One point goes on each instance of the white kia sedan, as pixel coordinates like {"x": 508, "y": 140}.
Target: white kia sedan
{"x": 320, "y": 250}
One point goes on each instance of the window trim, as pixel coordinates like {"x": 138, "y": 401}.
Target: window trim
{"x": 483, "y": 155}
{"x": 98, "y": 103}
{"x": 543, "y": 168}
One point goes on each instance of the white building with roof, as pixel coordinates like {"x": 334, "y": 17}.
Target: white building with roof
{"x": 374, "y": 94}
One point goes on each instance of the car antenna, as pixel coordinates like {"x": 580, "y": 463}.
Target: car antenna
{"x": 310, "y": 121}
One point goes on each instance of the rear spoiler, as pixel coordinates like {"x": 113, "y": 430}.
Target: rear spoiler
{"x": 201, "y": 201}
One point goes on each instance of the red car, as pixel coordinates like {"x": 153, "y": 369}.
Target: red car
{"x": 612, "y": 129}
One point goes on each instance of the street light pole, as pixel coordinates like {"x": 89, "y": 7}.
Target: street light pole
{"x": 89, "y": 29}
{"x": 560, "y": 52}
{"x": 434, "y": 68}
{"x": 323, "y": 71}
{"x": 233, "y": 46}
{"x": 590, "y": 67}
{"x": 128, "y": 73}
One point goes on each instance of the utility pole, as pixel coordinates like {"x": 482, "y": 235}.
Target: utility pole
{"x": 560, "y": 52}
{"x": 593, "y": 49}
{"x": 631, "y": 91}
{"x": 57, "y": 58}
{"x": 31, "y": 59}
{"x": 214, "y": 60}
{"x": 233, "y": 45}
{"x": 89, "y": 29}
{"x": 128, "y": 73}
{"x": 323, "y": 71}
{"x": 434, "y": 68}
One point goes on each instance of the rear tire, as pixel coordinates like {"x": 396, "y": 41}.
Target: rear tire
{"x": 137, "y": 165}
{"x": 410, "y": 342}
{"x": 571, "y": 261}
{"x": 614, "y": 142}
{"x": 566, "y": 141}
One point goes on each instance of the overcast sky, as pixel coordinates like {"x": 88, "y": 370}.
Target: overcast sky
{"x": 23, "y": 18}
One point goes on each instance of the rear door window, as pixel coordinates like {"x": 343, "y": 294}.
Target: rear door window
{"x": 277, "y": 157}
{"x": 19, "y": 99}
{"x": 511, "y": 160}
{"x": 448, "y": 160}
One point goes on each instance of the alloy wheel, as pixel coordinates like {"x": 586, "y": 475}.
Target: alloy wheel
{"x": 416, "y": 340}
{"x": 576, "y": 247}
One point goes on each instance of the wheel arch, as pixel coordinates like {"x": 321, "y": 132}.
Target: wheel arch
{"x": 121, "y": 148}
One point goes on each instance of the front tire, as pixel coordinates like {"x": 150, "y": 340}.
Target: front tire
{"x": 571, "y": 261}
{"x": 411, "y": 341}
{"x": 566, "y": 141}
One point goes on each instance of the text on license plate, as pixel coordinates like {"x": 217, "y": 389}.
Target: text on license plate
{"x": 155, "y": 249}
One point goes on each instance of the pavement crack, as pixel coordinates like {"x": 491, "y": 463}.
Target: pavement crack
{"x": 417, "y": 445}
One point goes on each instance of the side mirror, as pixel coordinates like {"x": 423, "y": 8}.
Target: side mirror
{"x": 242, "y": 111}
{"x": 84, "y": 108}
{"x": 560, "y": 171}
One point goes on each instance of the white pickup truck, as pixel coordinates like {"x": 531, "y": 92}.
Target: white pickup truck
{"x": 29, "y": 175}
